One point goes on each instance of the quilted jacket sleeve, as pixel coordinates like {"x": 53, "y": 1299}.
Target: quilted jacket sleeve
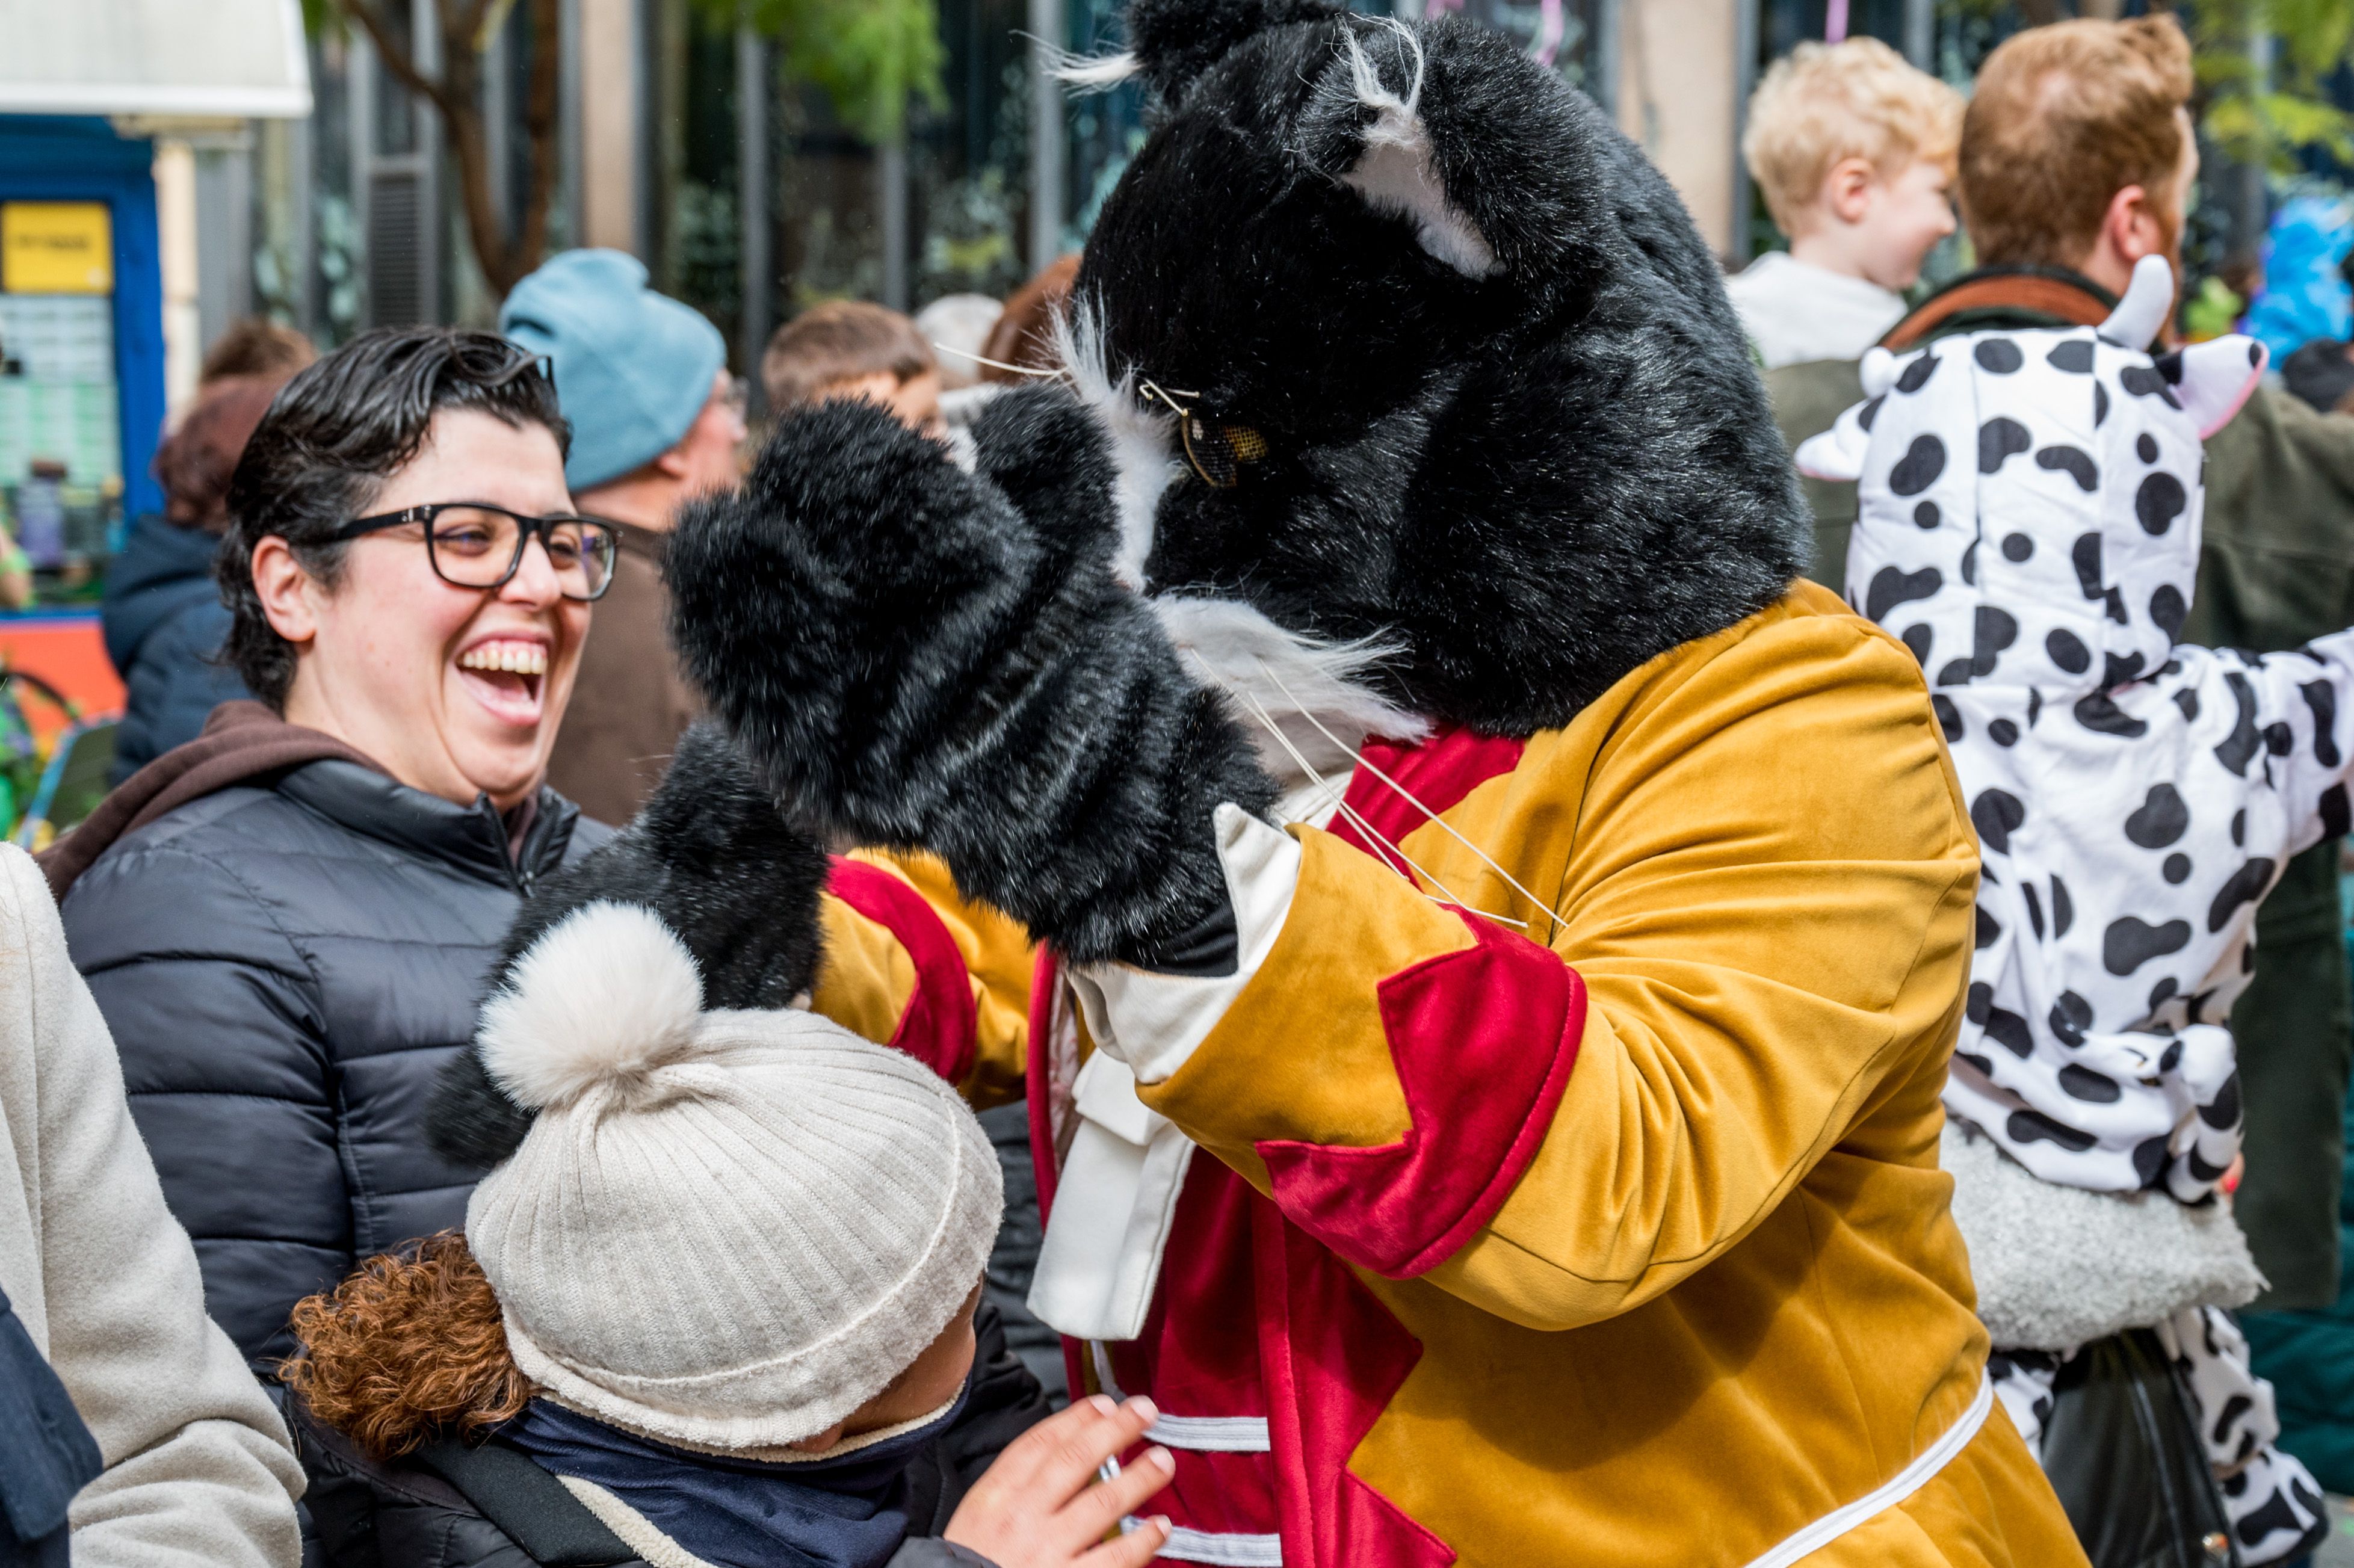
{"x": 1764, "y": 879}
{"x": 214, "y": 1012}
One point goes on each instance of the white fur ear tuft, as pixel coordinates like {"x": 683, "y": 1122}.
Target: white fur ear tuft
{"x": 2135, "y": 323}
{"x": 1878, "y": 370}
{"x": 2217, "y": 379}
{"x": 1398, "y": 172}
{"x": 605, "y": 996}
{"x": 1837, "y": 454}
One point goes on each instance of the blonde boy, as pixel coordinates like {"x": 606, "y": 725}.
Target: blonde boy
{"x": 1853, "y": 151}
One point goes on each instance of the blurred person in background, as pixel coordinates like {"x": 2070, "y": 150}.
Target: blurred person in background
{"x": 287, "y": 922}
{"x": 1024, "y": 337}
{"x": 1853, "y": 151}
{"x": 849, "y": 348}
{"x": 2077, "y": 161}
{"x": 656, "y": 419}
{"x": 135, "y": 1439}
{"x": 162, "y": 616}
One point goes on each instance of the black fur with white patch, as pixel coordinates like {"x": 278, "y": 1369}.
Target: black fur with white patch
{"x": 1533, "y": 480}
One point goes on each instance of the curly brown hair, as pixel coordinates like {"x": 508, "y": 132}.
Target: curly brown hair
{"x": 412, "y": 1345}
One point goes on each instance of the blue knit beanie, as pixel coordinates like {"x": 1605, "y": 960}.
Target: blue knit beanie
{"x": 632, "y": 367}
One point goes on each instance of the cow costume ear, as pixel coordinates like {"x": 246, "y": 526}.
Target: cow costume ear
{"x": 2149, "y": 296}
{"x": 1397, "y": 169}
{"x": 2214, "y": 378}
{"x": 1837, "y": 454}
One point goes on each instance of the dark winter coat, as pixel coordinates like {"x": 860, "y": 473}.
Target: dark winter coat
{"x": 165, "y": 622}
{"x": 2276, "y": 568}
{"x": 285, "y": 961}
{"x": 450, "y": 1506}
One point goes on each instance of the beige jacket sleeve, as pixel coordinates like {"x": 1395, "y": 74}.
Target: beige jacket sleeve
{"x": 198, "y": 1467}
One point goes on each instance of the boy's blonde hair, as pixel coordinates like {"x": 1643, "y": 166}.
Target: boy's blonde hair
{"x": 1821, "y": 104}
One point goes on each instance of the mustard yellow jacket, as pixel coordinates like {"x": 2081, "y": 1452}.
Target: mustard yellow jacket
{"x": 1623, "y": 1203}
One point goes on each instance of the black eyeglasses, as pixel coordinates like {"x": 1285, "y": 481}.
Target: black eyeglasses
{"x": 472, "y": 545}
{"x": 1218, "y": 450}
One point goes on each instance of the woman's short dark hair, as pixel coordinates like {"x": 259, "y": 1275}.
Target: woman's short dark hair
{"x": 334, "y": 434}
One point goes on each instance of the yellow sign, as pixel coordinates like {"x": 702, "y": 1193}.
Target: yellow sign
{"x": 56, "y": 248}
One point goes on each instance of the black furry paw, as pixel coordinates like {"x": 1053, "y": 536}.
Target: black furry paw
{"x": 926, "y": 659}
{"x": 715, "y": 857}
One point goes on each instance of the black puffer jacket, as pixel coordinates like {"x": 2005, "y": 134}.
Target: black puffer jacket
{"x": 285, "y": 963}
{"x": 450, "y": 1506}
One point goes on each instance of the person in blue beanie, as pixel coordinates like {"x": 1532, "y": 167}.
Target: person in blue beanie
{"x": 656, "y": 418}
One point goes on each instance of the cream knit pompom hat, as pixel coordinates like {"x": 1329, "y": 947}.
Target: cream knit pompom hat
{"x": 726, "y": 1230}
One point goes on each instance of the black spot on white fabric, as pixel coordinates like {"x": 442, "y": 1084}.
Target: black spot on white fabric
{"x": 2027, "y": 1127}
{"x": 2166, "y": 610}
{"x": 2336, "y": 816}
{"x": 2075, "y": 463}
{"x": 2100, "y": 405}
{"x": 2245, "y": 885}
{"x": 2149, "y": 1158}
{"x": 2202, "y": 1171}
{"x": 2177, "y": 869}
{"x": 1918, "y": 469}
{"x": 2009, "y": 1031}
{"x": 2002, "y": 732}
{"x": 2071, "y": 1016}
{"x": 2160, "y": 819}
{"x": 1869, "y": 411}
{"x": 2116, "y": 670}
{"x": 1984, "y": 1066}
{"x": 2000, "y": 437}
{"x": 1989, "y": 929}
{"x": 2063, "y": 908}
{"x": 2169, "y": 365}
{"x": 2100, "y": 714}
{"x": 1924, "y": 516}
{"x": 2239, "y": 748}
{"x": 1992, "y": 631}
{"x": 2074, "y": 356}
{"x": 2224, "y": 1108}
{"x": 1916, "y": 374}
{"x": 1918, "y": 639}
{"x": 2240, "y": 827}
{"x": 2085, "y": 555}
{"x": 1999, "y": 354}
{"x": 1970, "y": 564}
{"x": 2157, "y": 501}
{"x": 2279, "y": 738}
{"x": 2322, "y": 698}
{"x": 2145, "y": 446}
{"x": 1977, "y": 1003}
{"x": 1891, "y": 587}
{"x": 2142, "y": 381}
{"x": 2113, "y": 605}
{"x": 2034, "y": 908}
{"x": 2130, "y": 942}
{"x": 1956, "y": 673}
{"x": 2095, "y": 1088}
{"x": 2068, "y": 650}
{"x": 1997, "y": 814}
{"x": 1950, "y": 717}
{"x": 2034, "y": 706}
{"x": 2016, "y": 548}
{"x": 2159, "y": 995}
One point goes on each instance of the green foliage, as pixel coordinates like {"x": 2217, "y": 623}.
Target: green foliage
{"x": 2261, "y": 65}
{"x": 871, "y": 58}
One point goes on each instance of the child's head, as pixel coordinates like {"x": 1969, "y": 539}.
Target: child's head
{"x": 848, "y": 348}
{"x": 740, "y": 1232}
{"x": 1853, "y": 149}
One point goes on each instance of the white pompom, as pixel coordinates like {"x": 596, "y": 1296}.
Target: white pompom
{"x": 606, "y": 995}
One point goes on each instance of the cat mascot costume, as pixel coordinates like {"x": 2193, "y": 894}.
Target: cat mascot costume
{"x": 1480, "y": 942}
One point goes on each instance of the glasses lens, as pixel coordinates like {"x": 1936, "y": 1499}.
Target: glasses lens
{"x": 1218, "y": 451}
{"x": 472, "y": 546}
{"x": 581, "y": 549}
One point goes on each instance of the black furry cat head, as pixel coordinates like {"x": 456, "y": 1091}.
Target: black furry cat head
{"x": 1471, "y": 367}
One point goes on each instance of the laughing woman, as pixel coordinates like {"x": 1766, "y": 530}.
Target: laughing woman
{"x": 287, "y": 922}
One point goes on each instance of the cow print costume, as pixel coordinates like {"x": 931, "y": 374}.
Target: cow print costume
{"x": 2029, "y": 526}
